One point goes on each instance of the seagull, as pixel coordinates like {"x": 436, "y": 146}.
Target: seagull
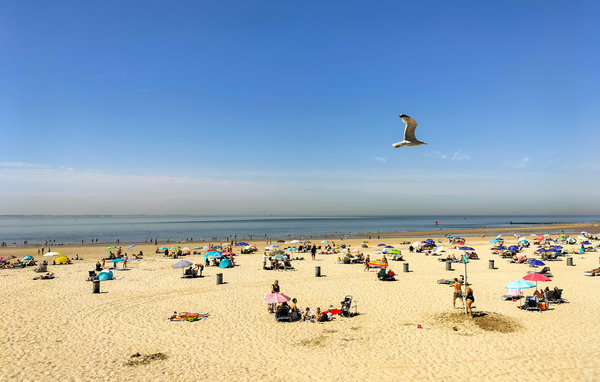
{"x": 409, "y": 133}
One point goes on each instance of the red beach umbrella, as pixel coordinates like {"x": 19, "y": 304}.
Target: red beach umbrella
{"x": 536, "y": 277}
{"x": 275, "y": 298}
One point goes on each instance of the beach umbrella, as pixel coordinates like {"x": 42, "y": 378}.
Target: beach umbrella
{"x": 274, "y": 246}
{"x": 586, "y": 243}
{"x": 431, "y": 241}
{"x": 295, "y": 241}
{"x": 549, "y": 239}
{"x": 292, "y": 249}
{"x": 116, "y": 260}
{"x": 540, "y": 237}
{"x": 131, "y": 246}
{"x": 536, "y": 277}
{"x": 182, "y": 264}
{"x": 416, "y": 244}
{"x": 198, "y": 248}
{"x": 535, "y": 262}
{"x": 175, "y": 247}
{"x": 496, "y": 240}
{"x": 278, "y": 252}
{"x": 325, "y": 241}
{"x": 281, "y": 241}
{"x": 381, "y": 245}
{"x": 186, "y": 251}
{"x": 52, "y": 254}
{"x": 61, "y": 260}
{"x": 279, "y": 256}
{"x": 275, "y": 298}
{"x": 439, "y": 248}
{"x": 27, "y": 258}
{"x": 523, "y": 241}
{"x": 205, "y": 247}
{"x": 109, "y": 248}
{"x": 389, "y": 246}
{"x": 307, "y": 241}
{"x": 162, "y": 248}
{"x": 513, "y": 248}
{"x": 501, "y": 247}
{"x": 394, "y": 251}
{"x": 519, "y": 284}
{"x": 241, "y": 244}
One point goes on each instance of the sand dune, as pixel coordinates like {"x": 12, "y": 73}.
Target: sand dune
{"x": 55, "y": 329}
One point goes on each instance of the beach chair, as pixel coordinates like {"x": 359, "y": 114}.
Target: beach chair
{"x": 555, "y": 296}
{"x": 283, "y": 314}
{"x": 345, "y": 310}
{"x": 531, "y": 303}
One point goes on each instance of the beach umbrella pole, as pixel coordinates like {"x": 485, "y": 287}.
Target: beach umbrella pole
{"x": 464, "y": 294}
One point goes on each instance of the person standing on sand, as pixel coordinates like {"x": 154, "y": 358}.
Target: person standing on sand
{"x": 313, "y": 252}
{"x": 367, "y": 261}
{"x": 457, "y": 292}
{"x": 469, "y": 298}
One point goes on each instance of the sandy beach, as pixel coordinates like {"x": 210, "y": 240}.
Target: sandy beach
{"x": 58, "y": 329}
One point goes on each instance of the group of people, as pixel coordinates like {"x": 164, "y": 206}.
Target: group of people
{"x": 291, "y": 311}
{"x": 458, "y": 294}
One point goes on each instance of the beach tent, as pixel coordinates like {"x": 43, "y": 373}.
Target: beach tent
{"x": 62, "y": 260}
{"x": 105, "y": 275}
{"x": 225, "y": 263}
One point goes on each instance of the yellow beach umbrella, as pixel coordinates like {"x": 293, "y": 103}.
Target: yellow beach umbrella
{"x": 62, "y": 260}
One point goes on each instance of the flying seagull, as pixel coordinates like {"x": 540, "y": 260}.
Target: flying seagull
{"x": 409, "y": 133}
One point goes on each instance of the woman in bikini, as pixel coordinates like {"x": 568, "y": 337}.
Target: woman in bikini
{"x": 469, "y": 298}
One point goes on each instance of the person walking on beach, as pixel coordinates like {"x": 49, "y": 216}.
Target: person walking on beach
{"x": 457, "y": 292}
{"x": 313, "y": 252}
{"x": 367, "y": 261}
{"x": 469, "y": 297}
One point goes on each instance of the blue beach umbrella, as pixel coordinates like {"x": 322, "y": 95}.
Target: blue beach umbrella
{"x": 523, "y": 241}
{"x": 389, "y": 246}
{"x": 542, "y": 250}
{"x": 241, "y": 244}
{"x": 274, "y": 246}
{"x": 116, "y": 260}
{"x": 513, "y": 248}
{"x": 586, "y": 243}
{"x": 430, "y": 241}
{"x": 162, "y": 248}
{"x": 381, "y": 245}
{"x": 501, "y": 247}
{"x": 496, "y": 240}
{"x": 466, "y": 248}
{"x": 27, "y": 258}
{"x": 212, "y": 254}
{"x": 536, "y": 262}
{"x": 131, "y": 246}
{"x": 519, "y": 284}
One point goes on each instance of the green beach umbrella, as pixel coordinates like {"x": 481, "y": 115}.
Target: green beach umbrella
{"x": 109, "y": 248}
{"x": 394, "y": 251}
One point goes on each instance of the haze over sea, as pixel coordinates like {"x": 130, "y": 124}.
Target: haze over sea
{"x": 72, "y": 229}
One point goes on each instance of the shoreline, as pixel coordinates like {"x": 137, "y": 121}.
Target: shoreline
{"x": 552, "y": 228}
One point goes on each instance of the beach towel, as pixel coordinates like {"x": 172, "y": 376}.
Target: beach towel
{"x": 378, "y": 264}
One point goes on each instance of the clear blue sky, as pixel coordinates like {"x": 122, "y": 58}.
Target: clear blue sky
{"x": 282, "y": 107}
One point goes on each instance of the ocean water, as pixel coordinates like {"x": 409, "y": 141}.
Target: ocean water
{"x": 72, "y": 229}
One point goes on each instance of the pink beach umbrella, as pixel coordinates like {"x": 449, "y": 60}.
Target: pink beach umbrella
{"x": 275, "y": 298}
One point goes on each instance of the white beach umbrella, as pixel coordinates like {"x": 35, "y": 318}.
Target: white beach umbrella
{"x": 52, "y": 254}
{"x": 294, "y": 241}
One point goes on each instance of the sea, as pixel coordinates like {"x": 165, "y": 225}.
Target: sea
{"x": 17, "y": 230}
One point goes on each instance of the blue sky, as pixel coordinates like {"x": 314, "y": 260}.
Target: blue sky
{"x": 279, "y": 107}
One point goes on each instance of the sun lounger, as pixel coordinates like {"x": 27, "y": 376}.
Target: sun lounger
{"x": 531, "y": 303}
{"x": 513, "y": 295}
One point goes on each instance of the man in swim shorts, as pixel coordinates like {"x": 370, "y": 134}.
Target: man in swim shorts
{"x": 457, "y": 292}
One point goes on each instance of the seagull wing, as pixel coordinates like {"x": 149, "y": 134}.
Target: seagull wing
{"x": 409, "y": 130}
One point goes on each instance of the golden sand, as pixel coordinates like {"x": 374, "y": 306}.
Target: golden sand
{"x": 57, "y": 329}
